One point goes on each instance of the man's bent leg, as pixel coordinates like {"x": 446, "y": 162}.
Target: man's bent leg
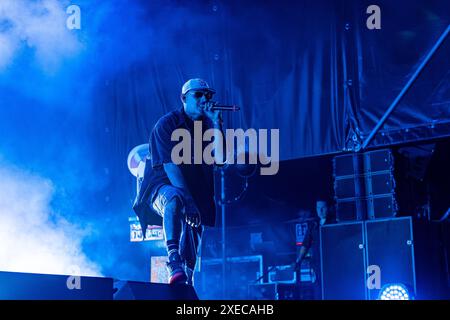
{"x": 172, "y": 223}
{"x": 168, "y": 204}
{"x": 189, "y": 248}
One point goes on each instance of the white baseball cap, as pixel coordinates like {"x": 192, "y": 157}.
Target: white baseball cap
{"x": 196, "y": 84}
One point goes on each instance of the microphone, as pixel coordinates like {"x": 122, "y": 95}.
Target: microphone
{"x": 216, "y": 106}
{"x": 226, "y": 108}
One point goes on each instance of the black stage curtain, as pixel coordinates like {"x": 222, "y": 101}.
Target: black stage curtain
{"x": 279, "y": 61}
{"x": 313, "y": 70}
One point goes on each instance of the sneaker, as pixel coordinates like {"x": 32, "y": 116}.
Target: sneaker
{"x": 176, "y": 270}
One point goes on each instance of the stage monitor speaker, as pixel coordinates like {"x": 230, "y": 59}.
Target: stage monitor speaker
{"x": 31, "y": 286}
{"x": 133, "y": 290}
{"x": 390, "y": 247}
{"x": 343, "y": 263}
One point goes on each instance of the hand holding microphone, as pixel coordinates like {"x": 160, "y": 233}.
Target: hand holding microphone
{"x": 215, "y": 106}
{"x": 213, "y": 110}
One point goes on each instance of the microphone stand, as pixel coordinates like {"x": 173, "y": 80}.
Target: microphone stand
{"x": 223, "y": 202}
{"x": 223, "y": 211}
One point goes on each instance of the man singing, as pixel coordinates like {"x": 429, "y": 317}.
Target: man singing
{"x": 181, "y": 194}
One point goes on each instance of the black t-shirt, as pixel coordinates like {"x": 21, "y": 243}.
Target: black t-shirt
{"x": 198, "y": 177}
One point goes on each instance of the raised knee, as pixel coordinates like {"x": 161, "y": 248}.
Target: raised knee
{"x": 174, "y": 207}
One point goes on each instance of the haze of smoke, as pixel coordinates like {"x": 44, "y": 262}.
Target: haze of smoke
{"x": 32, "y": 237}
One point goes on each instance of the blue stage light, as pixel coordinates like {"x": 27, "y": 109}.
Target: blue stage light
{"x": 394, "y": 292}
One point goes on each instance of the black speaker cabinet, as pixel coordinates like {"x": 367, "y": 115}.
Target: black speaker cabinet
{"x": 371, "y": 161}
{"x": 350, "y": 250}
{"x": 364, "y": 186}
{"x": 345, "y": 165}
{"x": 382, "y": 206}
{"x": 390, "y": 247}
{"x": 345, "y": 187}
{"x": 347, "y": 210}
{"x": 343, "y": 263}
{"x": 378, "y": 183}
{"x": 372, "y": 207}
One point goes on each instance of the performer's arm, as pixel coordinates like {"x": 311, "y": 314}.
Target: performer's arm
{"x": 177, "y": 180}
{"x": 175, "y": 176}
{"x": 301, "y": 255}
{"x": 307, "y": 243}
{"x": 219, "y": 137}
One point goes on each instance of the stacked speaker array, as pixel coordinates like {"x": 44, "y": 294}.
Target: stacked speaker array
{"x": 364, "y": 185}
{"x": 368, "y": 235}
